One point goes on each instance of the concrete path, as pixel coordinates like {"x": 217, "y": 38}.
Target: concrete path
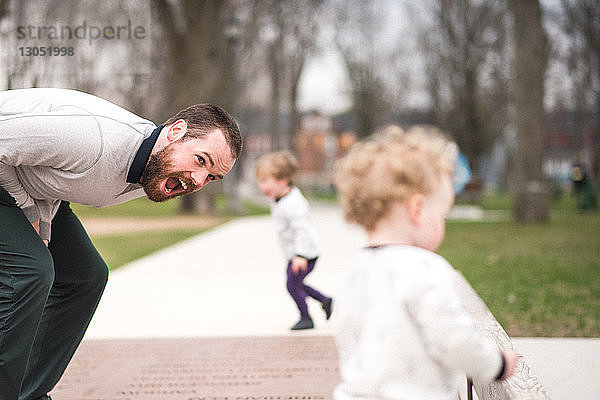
{"x": 230, "y": 282}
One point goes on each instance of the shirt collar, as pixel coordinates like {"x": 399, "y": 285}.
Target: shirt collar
{"x": 141, "y": 157}
{"x": 288, "y": 192}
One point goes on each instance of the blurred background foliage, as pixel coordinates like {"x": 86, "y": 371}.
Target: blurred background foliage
{"x": 457, "y": 64}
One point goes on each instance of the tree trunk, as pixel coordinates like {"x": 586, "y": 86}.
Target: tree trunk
{"x": 531, "y": 196}
{"x": 294, "y": 124}
{"x": 195, "y": 53}
{"x": 275, "y": 74}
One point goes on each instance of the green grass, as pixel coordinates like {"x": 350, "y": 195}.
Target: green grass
{"x": 141, "y": 207}
{"x": 539, "y": 280}
{"x": 503, "y": 201}
{"x": 249, "y": 208}
{"x": 118, "y": 250}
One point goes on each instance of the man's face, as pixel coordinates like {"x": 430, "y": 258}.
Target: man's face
{"x": 186, "y": 165}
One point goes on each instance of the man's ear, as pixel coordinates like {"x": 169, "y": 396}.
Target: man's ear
{"x": 414, "y": 207}
{"x": 177, "y": 130}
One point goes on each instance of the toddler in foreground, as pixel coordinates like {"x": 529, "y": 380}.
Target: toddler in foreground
{"x": 401, "y": 330}
{"x": 275, "y": 174}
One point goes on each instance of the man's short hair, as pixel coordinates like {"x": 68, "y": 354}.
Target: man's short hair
{"x": 204, "y": 118}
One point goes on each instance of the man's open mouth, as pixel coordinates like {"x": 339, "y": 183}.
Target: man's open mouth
{"x": 174, "y": 185}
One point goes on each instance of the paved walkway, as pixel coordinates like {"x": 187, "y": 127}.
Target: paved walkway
{"x": 230, "y": 282}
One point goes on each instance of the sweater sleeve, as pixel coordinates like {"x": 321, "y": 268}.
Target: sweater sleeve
{"x": 53, "y": 139}
{"x": 304, "y": 240}
{"x": 34, "y": 210}
{"x": 47, "y": 209}
{"x": 299, "y": 224}
{"x": 449, "y": 332}
{"x": 10, "y": 182}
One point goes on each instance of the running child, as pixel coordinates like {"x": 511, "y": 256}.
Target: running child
{"x": 290, "y": 211}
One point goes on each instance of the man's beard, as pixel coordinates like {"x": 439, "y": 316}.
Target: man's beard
{"x": 159, "y": 168}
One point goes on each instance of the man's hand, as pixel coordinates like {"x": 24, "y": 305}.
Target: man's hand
{"x": 299, "y": 264}
{"x": 36, "y": 226}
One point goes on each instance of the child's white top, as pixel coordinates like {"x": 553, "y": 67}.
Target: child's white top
{"x": 402, "y": 332}
{"x": 292, "y": 222}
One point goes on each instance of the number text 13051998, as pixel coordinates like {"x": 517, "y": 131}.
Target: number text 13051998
{"x": 50, "y": 51}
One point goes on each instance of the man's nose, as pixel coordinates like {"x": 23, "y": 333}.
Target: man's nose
{"x": 199, "y": 179}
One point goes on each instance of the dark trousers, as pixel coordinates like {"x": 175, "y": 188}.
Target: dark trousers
{"x": 299, "y": 290}
{"x": 47, "y": 298}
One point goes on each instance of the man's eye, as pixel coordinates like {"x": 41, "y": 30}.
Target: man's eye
{"x": 201, "y": 160}
{"x": 211, "y": 177}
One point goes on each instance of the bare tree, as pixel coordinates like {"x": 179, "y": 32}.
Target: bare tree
{"x": 579, "y": 22}
{"x": 368, "y": 63}
{"x": 195, "y": 53}
{"x": 531, "y": 195}
{"x": 465, "y": 51}
{"x": 114, "y": 68}
{"x": 280, "y": 37}
{"x": 193, "y": 49}
{"x": 187, "y": 62}
{"x": 4, "y": 75}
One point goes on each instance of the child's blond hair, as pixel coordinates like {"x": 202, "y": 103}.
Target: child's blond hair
{"x": 390, "y": 166}
{"x": 280, "y": 165}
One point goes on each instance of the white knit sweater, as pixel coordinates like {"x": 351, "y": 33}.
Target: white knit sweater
{"x": 402, "y": 332}
{"x": 292, "y": 223}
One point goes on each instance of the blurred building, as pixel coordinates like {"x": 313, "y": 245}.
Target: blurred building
{"x": 318, "y": 144}
{"x": 316, "y": 148}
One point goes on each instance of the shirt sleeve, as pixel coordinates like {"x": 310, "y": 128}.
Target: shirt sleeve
{"x": 448, "y": 330}
{"x": 303, "y": 231}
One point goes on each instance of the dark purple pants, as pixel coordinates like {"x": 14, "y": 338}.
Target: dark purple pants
{"x": 299, "y": 290}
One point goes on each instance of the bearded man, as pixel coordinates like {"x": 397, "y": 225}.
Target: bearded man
{"x": 59, "y": 146}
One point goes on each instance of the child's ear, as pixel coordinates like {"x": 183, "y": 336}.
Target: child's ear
{"x": 414, "y": 207}
{"x": 285, "y": 182}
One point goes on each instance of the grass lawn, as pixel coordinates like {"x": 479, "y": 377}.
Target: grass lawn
{"x": 141, "y": 207}
{"x": 137, "y": 245}
{"x": 120, "y": 249}
{"x": 540, "y": 280}
{"x": 144, "y": 208}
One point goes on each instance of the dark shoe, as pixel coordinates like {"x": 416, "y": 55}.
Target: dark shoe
{"x": 327, "y": 306}
{"x": 304, "y": 323}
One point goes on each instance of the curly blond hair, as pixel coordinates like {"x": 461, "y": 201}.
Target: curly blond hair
{"x": 280, "y": 165}
{"x": 390, "y": 166}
